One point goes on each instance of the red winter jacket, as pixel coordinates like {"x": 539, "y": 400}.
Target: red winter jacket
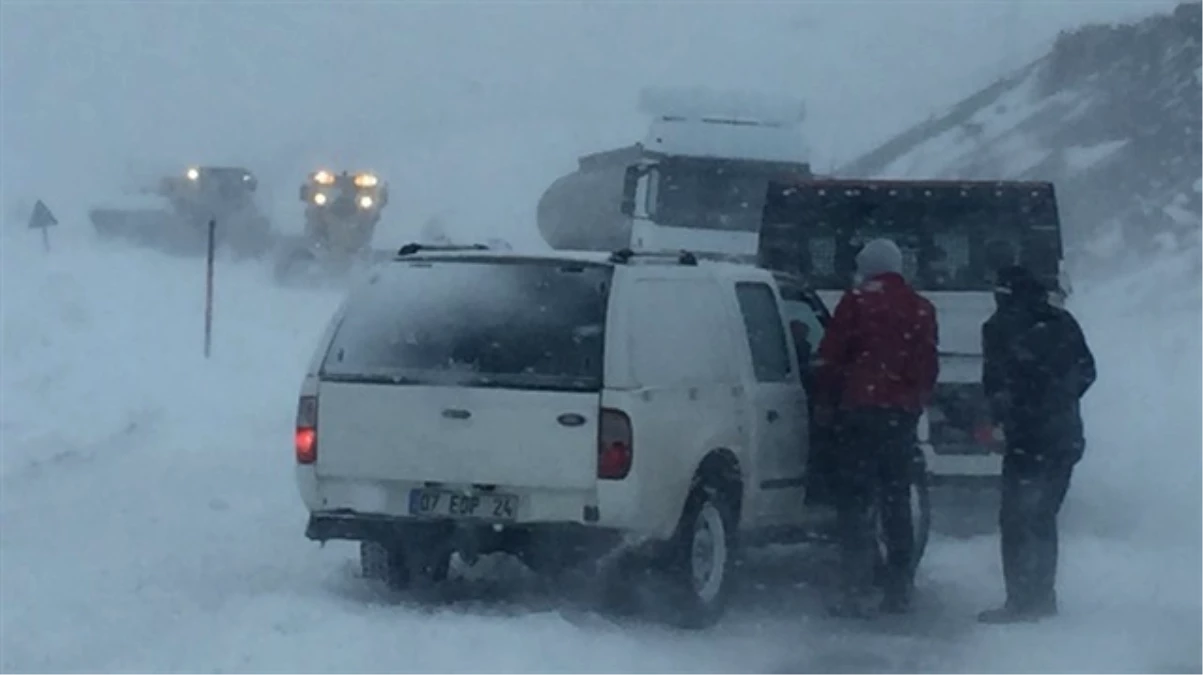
{"x": 879, "y": 349}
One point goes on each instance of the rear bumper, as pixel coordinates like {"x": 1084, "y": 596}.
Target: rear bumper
{"x": 389, "y": 500}
{"x": 351, "y": 526}
{"x": 973, "y": 481}
{"x": 542, "y": 546}
{"x": 964, "y": 469}
{"x": 354, "y": 527}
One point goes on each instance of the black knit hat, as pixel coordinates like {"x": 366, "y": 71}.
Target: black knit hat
{"x": 1019, "y": 283}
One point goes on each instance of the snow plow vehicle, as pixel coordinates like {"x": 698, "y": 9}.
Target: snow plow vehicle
{"x": 180, "y": 225}
{"x": 341, "y": 215}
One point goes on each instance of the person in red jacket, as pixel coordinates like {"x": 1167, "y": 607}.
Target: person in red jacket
{"x": 877, "y": 368}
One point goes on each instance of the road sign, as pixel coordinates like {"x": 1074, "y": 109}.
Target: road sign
{"x": 42, "y": 219}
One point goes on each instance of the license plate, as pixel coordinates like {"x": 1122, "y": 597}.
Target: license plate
{"x": 963, "y": 449}
{"x": 446, "y": 504}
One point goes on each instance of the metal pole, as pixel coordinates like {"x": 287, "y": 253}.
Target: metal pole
{"x": 209, "y": 288}
{"x": 46, "y": 239}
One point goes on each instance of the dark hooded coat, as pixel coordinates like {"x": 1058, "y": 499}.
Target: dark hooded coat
{"x": 1036, "y": 368}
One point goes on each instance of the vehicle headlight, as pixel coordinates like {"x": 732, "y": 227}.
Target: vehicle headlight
{"x": 366, "y": 180}
{"x": 323, "y": 177}
{"x": 192, "y": 173}
{"x": 319, "y": 199}
{"x": 365, "y": 202}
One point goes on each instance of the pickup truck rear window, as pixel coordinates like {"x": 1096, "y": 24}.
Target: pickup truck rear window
{"x": 515, "y": 324}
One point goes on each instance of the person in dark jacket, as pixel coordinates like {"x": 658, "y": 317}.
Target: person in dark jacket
{"x": 802, "y": 347}
{"x": 821, "y": 442}
{"x": 1036, "y": 368}
{"x": 876, "y": 371}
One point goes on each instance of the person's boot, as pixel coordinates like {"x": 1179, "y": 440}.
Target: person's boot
{"x": 852, "y": 607}
{"x": 1013, "y": 613}
{"x": 897, "y": 594}
{"x": 896, "y": 603}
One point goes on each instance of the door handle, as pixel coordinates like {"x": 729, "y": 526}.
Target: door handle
{"x": 772, "y": 415}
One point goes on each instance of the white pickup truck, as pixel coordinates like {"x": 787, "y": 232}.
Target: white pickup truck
{"x": 570, "y": 409}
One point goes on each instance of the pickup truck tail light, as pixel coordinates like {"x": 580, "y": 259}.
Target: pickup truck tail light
{"x": 615, "y": 446}
{"x": 306, "y": 435}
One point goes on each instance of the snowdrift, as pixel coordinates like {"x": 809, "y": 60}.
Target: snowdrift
{"x": 148, "y": 518}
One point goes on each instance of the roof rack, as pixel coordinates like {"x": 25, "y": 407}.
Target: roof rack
{"x": 414, "y": 247}
{"x": 682, "y": 257}
{"x": 624, "y": 255}
{"x": 737, "y": 258}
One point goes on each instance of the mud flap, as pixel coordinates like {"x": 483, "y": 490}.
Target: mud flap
{"x": 298, "y": 264}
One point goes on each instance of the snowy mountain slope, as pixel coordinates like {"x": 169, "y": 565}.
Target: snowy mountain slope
{"x": 149, "y": 521}
{"x": 1111, "y": 114}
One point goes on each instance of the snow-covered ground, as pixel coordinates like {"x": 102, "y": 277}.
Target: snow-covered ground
{"x": 149, "y": 520}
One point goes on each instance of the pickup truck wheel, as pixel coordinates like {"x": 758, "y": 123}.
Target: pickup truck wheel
{"x": 701, "y": 558}
{"x": 919, "y": 503}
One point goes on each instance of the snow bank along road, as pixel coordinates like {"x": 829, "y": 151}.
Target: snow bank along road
{"x": 149, "y": 521}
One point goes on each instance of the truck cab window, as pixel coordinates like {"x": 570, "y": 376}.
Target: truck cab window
{"x": 766, "y": 334}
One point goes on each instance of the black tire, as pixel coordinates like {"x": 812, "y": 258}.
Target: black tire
{"x": 921, "y": 512}
{"x": 390, "y": 564}
{"x": 921, "y": 518}
{"x": 700, "y": 560}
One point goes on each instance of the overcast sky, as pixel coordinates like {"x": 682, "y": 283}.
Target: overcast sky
{"x": 496, "y": 98}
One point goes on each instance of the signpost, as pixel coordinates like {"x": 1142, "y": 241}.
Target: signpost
{"x": 42, "y": 219}
{"x": 209, "y": 287}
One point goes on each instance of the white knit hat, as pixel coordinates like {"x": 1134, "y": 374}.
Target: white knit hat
{"x": 878, "y": 257}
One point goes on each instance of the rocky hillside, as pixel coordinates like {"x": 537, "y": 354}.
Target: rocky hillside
{"x": 1111, "y": 114}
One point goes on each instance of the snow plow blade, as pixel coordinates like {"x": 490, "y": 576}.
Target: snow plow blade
{"x": 299, "y": 264}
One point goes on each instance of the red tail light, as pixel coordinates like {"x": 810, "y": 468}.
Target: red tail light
{"x": 306, "y": 436}
{"x": 984, "y": 433}
{"x": 615, "y": 447}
